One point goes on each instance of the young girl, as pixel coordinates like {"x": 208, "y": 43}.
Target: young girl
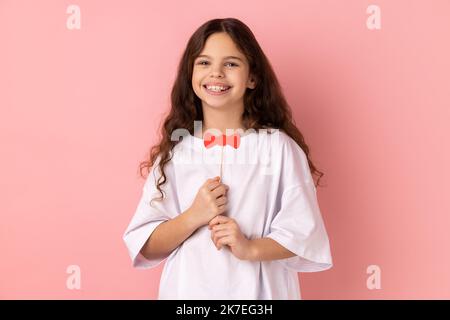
{"x": 228, "y": 229}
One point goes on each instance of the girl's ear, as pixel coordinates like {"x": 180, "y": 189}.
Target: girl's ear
{"x": 251, "y": 83}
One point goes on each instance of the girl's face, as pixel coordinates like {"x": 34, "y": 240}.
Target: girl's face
{"x": 221, "y": 64}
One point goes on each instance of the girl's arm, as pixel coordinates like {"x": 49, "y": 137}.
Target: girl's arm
{"x": 263, "y": 249}
{"x": 169, "y": 235}
{"x": 259, "y": 249}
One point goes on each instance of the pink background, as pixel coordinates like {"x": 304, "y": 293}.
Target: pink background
{"x": 80, "y": 108}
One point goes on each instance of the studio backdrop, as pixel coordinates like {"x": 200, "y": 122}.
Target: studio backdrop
{"x": 84, "y": 86}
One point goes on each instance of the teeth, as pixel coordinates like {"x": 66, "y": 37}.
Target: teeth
{"x": 217, "y": 88}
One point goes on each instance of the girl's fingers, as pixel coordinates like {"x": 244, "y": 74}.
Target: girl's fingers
{"x": 219, "y": 234}
{"x": 218, "y": 227}
{"x": 219, "y": 219}
{"x": 213, "y": 185}
{"x": 226, "y": 240}
{"x": 214, "y": 222}
{"x": 221, "y": 200}
{"x": 220, "y": 191}
{"x": 215, "y": 238}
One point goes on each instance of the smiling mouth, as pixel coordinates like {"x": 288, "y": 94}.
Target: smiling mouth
{"x": 216, "y": 92}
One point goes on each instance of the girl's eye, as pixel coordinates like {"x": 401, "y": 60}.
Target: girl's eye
{"x": 234, "y": 64}
{"x": 202, "y": 63}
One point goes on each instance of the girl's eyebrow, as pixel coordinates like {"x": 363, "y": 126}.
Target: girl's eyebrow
{"x": 227, "y": 57}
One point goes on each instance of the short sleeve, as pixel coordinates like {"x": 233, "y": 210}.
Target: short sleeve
{"x": 298, "y": 225}
{"x": 149, "y": 216}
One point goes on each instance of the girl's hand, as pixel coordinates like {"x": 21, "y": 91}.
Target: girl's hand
{"x": 210, "y": 201}
{"x": 225, "y": 231}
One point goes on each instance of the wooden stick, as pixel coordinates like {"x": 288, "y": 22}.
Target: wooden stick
{"x": 221, "y": 161}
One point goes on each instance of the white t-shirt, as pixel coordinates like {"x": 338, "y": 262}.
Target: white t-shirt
{"x": 271, "y": 194}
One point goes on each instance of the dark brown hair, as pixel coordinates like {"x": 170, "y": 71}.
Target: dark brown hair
{"x": 264, "y": 107}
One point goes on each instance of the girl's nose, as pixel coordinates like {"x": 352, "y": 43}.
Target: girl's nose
{"x": 217, "y": 72}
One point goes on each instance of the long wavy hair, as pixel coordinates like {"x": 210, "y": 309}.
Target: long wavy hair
{"x": 264, "y": 106}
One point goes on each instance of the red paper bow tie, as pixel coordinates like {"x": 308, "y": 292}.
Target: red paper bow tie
{"x": 233, "y": 140}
